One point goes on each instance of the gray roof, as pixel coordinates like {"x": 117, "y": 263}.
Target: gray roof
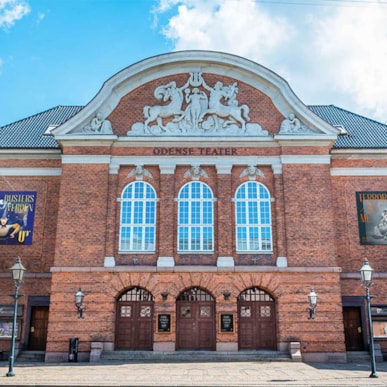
{"x": 29, "y": 133}
{"x": 361, "y": 132}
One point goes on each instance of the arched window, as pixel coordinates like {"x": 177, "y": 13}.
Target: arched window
{"x": 196, "y": 218}
{"x": 253, "y": 218}
{"x": 138, "y": 217}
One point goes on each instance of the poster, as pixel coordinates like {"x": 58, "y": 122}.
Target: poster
{"x": 372, "y": 217}
{"x": 17, "y": 213}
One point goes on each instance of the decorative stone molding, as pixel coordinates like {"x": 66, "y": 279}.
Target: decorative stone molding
{"x": 197, "y": 109}
{"x": 109, "y": 262}
{"x": 292, "y": 125}
{"x": 225, "y": 262}
{"x": 139, "y": 172}
{"x": 195, "y": 172}
{"x": 98, "y": 125}
{"x": 252, "y": 172}
{"x": 165, "y": 262}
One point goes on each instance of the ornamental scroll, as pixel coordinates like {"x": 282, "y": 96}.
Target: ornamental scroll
{"x": 197, "y": 109}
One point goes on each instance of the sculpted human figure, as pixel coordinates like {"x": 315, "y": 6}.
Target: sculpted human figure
{"x": 99, "y": 125}
{"x": 252, "y": 171}
{"x": 196, "y": 100}
{"x": 231, "y": 111}
{"x": 291, "y": 124}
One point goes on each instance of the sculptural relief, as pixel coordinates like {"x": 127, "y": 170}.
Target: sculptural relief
{"x": 139, "y": 172}
{"x": 196, "y": 108}
{"x": 195, "y": 172}
{"x": 292, "y": 125}
{"x": 98, "y": 125}
{"x": 252, "y": 172}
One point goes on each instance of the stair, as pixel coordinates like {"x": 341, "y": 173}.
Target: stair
{"x": 31, "y": 357}
{"x": 193, "y": 356}
{"x": 358, "y": 357}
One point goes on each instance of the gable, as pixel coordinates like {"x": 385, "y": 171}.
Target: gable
{"x": 199, "y": 94}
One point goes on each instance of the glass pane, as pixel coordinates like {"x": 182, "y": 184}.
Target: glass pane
{"x": 195, "y": 213}
{"x": 254, "y": 240}
{"x": 125, "y": 311}
{"x": 253, "y": 213}
{"x": 145, "y": 311}
{"x": 245, "y": 311}
{"x": 205, "y": 311}
{"x": 185, "y": 311}
{"x": 183, "y": 238}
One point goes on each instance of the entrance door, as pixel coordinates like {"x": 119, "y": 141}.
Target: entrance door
{"x": 195, "y": 325}
{"x": 353, "y": 329}
{"x": 257, "y": 320}
{"x": 134, "y": 323}
{"x": 38, "y": 328}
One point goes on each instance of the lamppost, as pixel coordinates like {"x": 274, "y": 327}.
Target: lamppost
{"x": 366, "y": 280}
{"x": 17, "y": 271}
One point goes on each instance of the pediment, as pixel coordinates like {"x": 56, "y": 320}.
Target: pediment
{"x": 195, "y": 94}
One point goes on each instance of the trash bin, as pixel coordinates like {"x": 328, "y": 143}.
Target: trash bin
{"x": 73, "y": 349}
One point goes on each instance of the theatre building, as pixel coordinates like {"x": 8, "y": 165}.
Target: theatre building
{"x": 195, "y": 201}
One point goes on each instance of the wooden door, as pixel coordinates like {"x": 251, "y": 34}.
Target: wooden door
{"x": 256, "y": 321}
{"x": 195, "y": 326}
{"x": 38, "y": 328}
{"x": 134, "y": 323}
{"x": 353, "y": 329}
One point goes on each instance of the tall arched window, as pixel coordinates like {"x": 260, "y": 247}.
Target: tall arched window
{"x": 138, "y": 218}
{"x": 253, "y": 218}
{"x": 196, "y": 218}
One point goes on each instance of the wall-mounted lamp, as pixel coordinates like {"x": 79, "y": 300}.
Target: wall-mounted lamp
{"x": 79, "y": 296}
{"x": 226, "y": 295}
{"x": 164, "y": 295}
{"x": 312, "y": 301}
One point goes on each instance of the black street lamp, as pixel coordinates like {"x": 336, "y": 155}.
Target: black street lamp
{"x": 17, "y": 271}
{"x": 366, "y": 280}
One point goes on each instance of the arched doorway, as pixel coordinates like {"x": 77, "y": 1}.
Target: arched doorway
{"x": 257, "y": 320}
{"x": 195, "y": 320}
{"x": 134, "y": 320}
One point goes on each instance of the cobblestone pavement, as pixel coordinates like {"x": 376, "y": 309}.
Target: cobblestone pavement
{"x": 193, "y": 374}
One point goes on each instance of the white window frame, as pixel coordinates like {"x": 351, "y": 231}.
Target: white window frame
{"x": 257, "y": 219}
{"x": 190, "y": 203}
{"x": 132, "y": 226}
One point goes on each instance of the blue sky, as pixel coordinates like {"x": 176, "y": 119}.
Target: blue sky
{"x": 60, "y": 52}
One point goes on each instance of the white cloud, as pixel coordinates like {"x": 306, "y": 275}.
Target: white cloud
{"x": 353, "y": 46}
{"x": 336, "y": 54}
{"x": 241, "y": 27}
{"x": 12, "y": 11}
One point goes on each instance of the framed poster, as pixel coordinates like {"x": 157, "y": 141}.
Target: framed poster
{"x": 17, "y": 214}
{"x": 6, "y": 329}
{"x": 7, "y": 310}
{"x": 226, "y": 322}
{"x": 372, "y": 217}
{"x": 164, "y": 323}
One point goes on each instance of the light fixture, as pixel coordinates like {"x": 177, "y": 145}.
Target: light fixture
{"x": 79, "y": 297}
{"x": 164, "y": 295}
{"x": 366, "y": 273}
{"x": 226, "y": 295}
{"x": 312, "y": 302}
{"x": 17, "y": 271}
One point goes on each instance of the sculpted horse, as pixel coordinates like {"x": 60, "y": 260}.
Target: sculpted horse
{"x": 158, "y": 112}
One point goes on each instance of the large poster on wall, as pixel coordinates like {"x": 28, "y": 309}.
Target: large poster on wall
{"x": 17, "y": 212}
{"x": 372, "y": 217}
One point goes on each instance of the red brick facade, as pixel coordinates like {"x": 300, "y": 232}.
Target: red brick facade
{"x": 315, "y": 236}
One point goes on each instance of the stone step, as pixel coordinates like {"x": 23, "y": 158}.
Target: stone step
{"x": 358, "y": 356}
{"x": 31, "y": 357}
{"x": 194, "y": 356}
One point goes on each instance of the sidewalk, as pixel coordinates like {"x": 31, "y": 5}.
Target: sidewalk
{"x": 193, "y": 374}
